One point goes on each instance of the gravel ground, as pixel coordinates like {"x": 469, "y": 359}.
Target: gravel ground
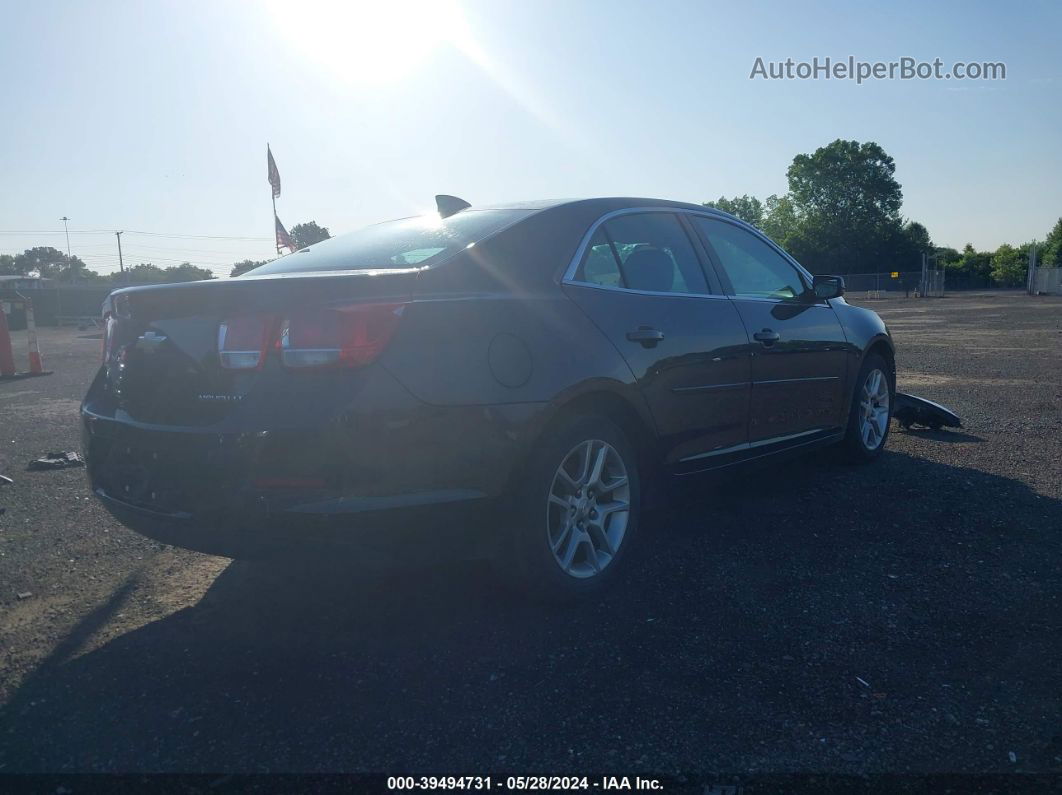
{"x": 903, "y": 617}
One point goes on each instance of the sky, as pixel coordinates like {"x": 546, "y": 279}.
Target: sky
{"x": 153, "y": 117}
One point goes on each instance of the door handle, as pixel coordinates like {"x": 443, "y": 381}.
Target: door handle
{"x": 767, "y": 337}
{"x": 646, "y": 335}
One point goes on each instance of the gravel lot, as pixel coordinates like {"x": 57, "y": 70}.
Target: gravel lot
{"x": 903, "y": 617}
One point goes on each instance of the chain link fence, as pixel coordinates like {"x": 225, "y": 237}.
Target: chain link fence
{"x": 896, "y": 283}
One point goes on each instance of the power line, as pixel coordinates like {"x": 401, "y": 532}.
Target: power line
{"x": 127, "y": 231}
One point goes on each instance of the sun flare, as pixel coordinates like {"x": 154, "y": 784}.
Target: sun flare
{"x": 368, "y": 41}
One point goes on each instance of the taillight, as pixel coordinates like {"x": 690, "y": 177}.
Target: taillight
{"x": 109, "y": 336}
{"x": 349, "y": 336}
{"x": 243, "y": 342}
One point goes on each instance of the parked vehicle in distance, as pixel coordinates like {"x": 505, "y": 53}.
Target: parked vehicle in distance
{"x": 502, "y": 380}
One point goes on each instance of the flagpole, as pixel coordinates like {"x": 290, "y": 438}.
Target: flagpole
{"x": 275, "y": 222}
{"x": 272, "y": 193}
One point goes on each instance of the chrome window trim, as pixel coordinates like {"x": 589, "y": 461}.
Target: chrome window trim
{"x": 580, "y": 252}
{"x": 569, "y": 273}
{"x": 592, "y": 286}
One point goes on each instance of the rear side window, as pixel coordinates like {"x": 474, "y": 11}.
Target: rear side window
{"x": 406, "y": 243}
{"x": 650, "y": 252}
{"x": 600, "y": 265}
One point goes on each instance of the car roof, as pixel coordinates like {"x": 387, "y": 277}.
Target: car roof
{"x": 604, "y": 203}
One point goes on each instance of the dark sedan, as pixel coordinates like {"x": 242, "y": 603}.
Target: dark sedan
{"x": 504, "y": 380}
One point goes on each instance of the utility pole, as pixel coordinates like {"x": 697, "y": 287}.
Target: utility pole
{"x": 64, "y": 219}
{"x": 1030, "y": 276}
{"x": 121, "y": 266}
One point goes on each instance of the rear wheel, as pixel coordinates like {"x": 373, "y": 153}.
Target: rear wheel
{"x": 578, "y": 510}
{"x": 868, "y": 418}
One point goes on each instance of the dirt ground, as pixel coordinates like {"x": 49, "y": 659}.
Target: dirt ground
{"x": 903, "y": 617}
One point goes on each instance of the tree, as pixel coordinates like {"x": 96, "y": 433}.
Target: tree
{"x": 72, "y": 270}
{"x": 748, "y": 208}
{"x": 846, "y": 202}
{"x": 976, "y": 265}
{"x": 1051, "y": 256}
{"x": 306, "y": 234}
{"x": 186, "y": 272}
{"x": 779, "y": 219}
{"x": 948, "y": 256}
{"x": 846, "y": 180}
{"x": 1008, "y": 269}
{"x": 246, "y": 265}
{"x": 917, "y": 236}
{"x": 146, "y": 273}
{"x": 7, "y": 266}
{"x": 42, "y": 260}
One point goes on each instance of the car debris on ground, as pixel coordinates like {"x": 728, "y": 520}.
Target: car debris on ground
{"x": 912, "y": 410}
{"x": 61, "y": 460}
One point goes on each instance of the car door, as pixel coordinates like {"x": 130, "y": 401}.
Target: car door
{"x": 640, "y": 278}
{"x": 796, "y": 343}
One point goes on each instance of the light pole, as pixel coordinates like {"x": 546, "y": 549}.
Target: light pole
{"x": 64, "y": 219}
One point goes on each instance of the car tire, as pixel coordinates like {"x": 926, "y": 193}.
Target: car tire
{"x": 561, "y": 546}
{"x": 870, "y": 414}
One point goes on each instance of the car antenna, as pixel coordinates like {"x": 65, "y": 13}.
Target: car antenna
{"x": 450, "y": 205}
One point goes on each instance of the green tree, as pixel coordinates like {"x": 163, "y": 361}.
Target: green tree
{"x": 43, "y": 260}
{"x": 947, "y": 256}
{"x": 186, "y": 272}
{"x": 847, "y": 205}
{"x": 306, "y": 234}
{"x": 7, "y": 266}
{"x": 1051, "y": 255}
{"x": 977, "y": 265}
{"x": 73, "y": 270}
{"x": 1008, "y": 268}
{"x": 747, "y": 208}
{"x": 144, "y": 273}
{"x": 779, "y": 219}
{"x": 917, "y": 237}
{"x": 246, "y": 265}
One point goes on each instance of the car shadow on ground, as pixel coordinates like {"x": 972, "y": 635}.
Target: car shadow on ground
{"x": 804, "y": 617}
{"x": 949, "y": 436}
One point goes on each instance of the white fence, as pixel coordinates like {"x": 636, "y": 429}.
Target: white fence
{"x": 1047, "y": 280}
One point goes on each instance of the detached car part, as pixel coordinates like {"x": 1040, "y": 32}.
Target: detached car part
{"x": 911, "y": 410}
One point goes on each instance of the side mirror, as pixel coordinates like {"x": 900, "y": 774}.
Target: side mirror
{"x": 828, "y": 287}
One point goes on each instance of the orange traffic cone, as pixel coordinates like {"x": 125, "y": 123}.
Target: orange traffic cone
{"x": 36, "y": 366}
{"x": 7, "y": 358}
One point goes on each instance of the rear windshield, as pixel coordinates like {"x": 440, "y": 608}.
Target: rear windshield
{"x": 407, "y": 243}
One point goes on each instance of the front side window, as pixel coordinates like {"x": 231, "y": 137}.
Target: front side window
{"x": 755, "y": 269}
{"x": 650, "y": 252}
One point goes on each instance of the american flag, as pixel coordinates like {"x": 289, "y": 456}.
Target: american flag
{"x": 274, "y": 175}
{"x": 283, "y": 238}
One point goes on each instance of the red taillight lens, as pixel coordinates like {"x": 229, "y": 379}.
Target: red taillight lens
{"x": 243, "y": 341}
{"x": 349, "y": 336}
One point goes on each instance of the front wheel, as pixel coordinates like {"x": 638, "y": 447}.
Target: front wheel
{"x": 871, "y": 410}
{"x": 578, "y": 510}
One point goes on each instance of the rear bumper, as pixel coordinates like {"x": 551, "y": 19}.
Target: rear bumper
{"x": 397, "y": 480}
{"x": 415, "y": 532}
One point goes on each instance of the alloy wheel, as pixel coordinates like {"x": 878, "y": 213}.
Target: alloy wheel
{"x": 588, "y": 508}
{"x": 874, "y": 409}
